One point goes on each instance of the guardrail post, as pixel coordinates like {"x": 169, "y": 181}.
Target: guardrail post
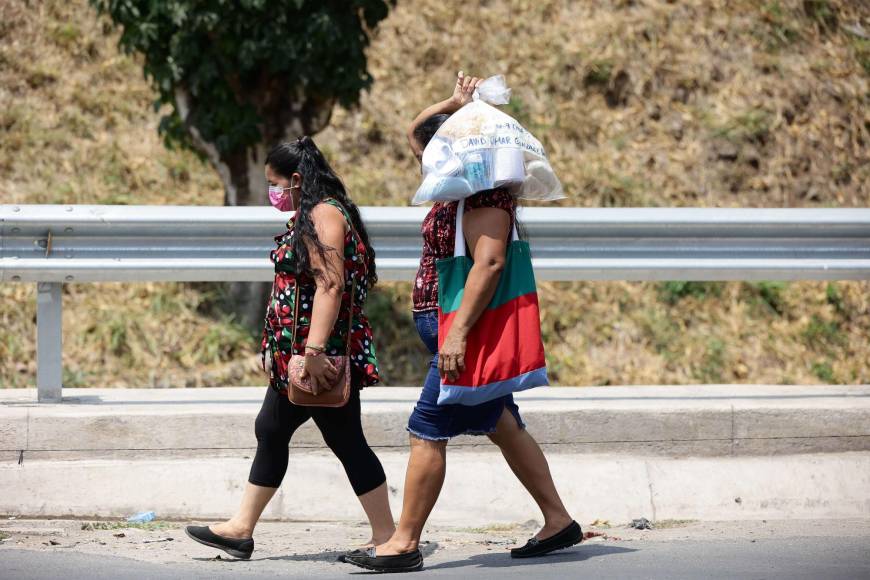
{"x": 49, "y": 342}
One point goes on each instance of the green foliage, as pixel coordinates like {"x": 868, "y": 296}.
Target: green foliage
{"x": 770, "y": 294}
{"x": 244, "y": 64}
{"x": 519, "y": 110}
{"x": 118, "y": 337}
{"x": 782, "y": 29}
{"x": 752, "y": 125}
{"x": 820, "y": 333}
{"x": 402, "y": 356}
{"x": 824, "y": 371}
{"x": 861, "y": 48}
{"x": 673, "y": 291}
{"x": 822, "y": 13}
{"x": 223, "y": 340}
{"x": 712, "y": 363}
{"x": 662, "y": 332}
{"x": 65, "y": 35}
{"x": 618, "y": 190}
{"x": 599, "y": 73}
{"x": 834, "y": 298}
{"x": 76, "y": 378}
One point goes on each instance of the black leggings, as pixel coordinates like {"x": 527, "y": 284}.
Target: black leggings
{"x": 342, "y": 431}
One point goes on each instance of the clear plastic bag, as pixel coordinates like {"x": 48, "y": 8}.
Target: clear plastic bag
{"x": 479, "y": 148}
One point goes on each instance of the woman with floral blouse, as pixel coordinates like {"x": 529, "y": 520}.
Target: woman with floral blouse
{"x": 323, "y": 257}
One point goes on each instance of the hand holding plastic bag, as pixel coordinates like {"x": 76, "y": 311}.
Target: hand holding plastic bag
{"x": 480, "y": 148}
{"x": 494, "y": 91}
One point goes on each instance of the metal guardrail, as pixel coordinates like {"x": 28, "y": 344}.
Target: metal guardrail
{"x": 56, "y": 244}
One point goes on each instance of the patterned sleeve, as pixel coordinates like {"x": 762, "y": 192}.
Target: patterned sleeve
{"x": 498, "y": 198}
{"x": 264, "y": 342}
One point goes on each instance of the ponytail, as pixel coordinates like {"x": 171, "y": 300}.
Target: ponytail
{"x": 319, "y": 182}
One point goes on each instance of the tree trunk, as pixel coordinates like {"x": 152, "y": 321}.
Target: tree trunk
{"x": 247, "y": 187}
{"x": 242, "y": 174}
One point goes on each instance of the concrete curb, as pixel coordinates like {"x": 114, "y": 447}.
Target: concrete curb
{"x": 480, "y": 488}
{"x": 710, "y": 420}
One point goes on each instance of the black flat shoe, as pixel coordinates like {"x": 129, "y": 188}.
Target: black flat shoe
{"x": 232, "y": 546}
{"x": 568, "y": 537}
{"x": 356, "y": 552}
{"x": 367, "y": 559}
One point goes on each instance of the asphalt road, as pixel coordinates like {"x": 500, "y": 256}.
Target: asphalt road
{"x": 831, "y": 557}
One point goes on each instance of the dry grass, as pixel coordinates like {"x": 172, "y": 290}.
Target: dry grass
{"x": 646, "y": 102}
{"x": 651, "y": 103}
{"x": 76, "y": 119}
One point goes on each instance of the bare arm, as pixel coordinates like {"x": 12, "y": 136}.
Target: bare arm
{"x": 329, "y": 223}
{"x": 462, "y": 92}
{"x": 486, "y": 230}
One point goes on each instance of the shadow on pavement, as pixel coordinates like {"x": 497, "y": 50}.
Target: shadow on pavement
{"x": 505, "y": 561}
{"x": 329, "y": 556}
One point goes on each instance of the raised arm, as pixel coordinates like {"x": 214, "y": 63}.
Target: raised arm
{"x": 462, "y": 93}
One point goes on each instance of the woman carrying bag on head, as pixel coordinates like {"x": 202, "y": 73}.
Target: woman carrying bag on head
{"x": 475, "y": 307}
{"x": 318, "y": 348}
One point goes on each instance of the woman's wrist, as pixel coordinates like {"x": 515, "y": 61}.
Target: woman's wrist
{"x": 314, "y": 350}
{"x": 458, "y": 330}
{"x": 449, "y": 106}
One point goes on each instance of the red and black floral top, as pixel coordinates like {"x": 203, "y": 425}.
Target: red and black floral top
{"x": 439, "y": 233}
{"x": 278, "y": 329}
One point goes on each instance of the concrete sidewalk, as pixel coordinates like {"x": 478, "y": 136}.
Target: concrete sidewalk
{"x": 702, "y": 452}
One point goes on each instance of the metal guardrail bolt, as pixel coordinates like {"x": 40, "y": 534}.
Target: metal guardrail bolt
{"x": 68, "y": 230}
{"x": 69, "y": 208}
{"x": 16, "y": 278}
{"x": 16, "y": 230}
{"x": 68, "y": 278}
{"x": 16, "y": 208}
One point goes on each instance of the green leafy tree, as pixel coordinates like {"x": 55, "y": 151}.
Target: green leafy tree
{"x": 241, "y": 75}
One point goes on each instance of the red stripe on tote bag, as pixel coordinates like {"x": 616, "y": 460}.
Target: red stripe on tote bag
{"x": 504, "y": 351}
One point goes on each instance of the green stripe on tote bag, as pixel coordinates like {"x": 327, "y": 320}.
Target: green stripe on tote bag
{"x": 504, "y": 351}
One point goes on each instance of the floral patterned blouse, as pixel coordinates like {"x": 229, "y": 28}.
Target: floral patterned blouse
{"x": 278, "y": 329}
{"x": 439, "y": 233}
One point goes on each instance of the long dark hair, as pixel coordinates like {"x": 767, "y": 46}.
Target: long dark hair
{"x": 319, "y": 182}
{"x": 424, "y": 132}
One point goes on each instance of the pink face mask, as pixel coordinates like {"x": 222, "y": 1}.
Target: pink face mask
{"x": 281, "y": 198}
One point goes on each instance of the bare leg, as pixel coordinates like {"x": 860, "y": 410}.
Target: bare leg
{"x": 242, "y": 524}
{"x": 528, "y": 463}
{"x": 376, "y": 504}
{"x": 427, "y": 467}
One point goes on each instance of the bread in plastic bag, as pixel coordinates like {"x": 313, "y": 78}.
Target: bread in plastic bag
{"x": 480, "y": 148}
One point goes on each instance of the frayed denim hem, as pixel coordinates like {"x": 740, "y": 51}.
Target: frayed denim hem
{"x": 471, "y": 433}
{"x": 419, "y": 435}
{"x": 514, "y": 411}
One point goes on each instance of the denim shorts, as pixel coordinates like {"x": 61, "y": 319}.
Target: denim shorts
{"x": 435, "y": 422}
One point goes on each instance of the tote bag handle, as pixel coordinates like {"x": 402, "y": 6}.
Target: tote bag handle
{"x": 459, "y": 242}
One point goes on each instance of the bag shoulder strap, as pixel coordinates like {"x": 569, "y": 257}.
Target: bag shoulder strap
{"x": 349, "y": 316}
{"x": 459, "y": 240}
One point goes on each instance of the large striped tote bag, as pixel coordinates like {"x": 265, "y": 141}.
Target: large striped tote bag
{"x": 504, "y": 352}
